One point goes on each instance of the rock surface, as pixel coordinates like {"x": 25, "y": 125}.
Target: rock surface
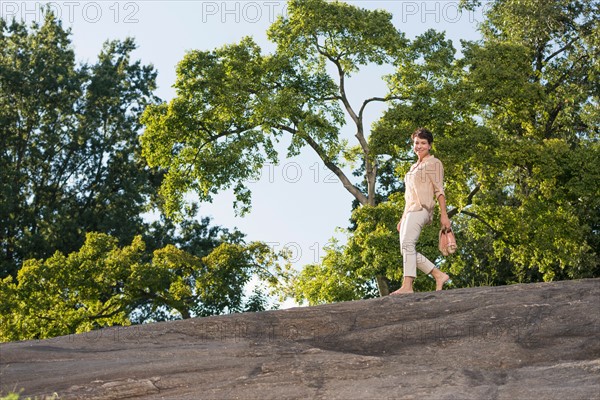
{"x": 527, "y": 341}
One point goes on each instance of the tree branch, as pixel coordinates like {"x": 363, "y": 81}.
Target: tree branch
{"x": 370, "y": 165}
{"x": 372, "y": 99}
{"x": 557, "y": 52}
{"x": 565, "y": 74}
{"x": 478, "y": 218}
{"x": 551, "y": 118}
{"x": 212, "y": 138}
{"x": 358, "y": 195}
{"x": 111, "y": 314}
{"x": 344, "y": 97}
{"x": 455, "y": 210}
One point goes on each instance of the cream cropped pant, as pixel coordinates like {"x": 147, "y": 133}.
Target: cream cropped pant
{"x": 410, "y": 229}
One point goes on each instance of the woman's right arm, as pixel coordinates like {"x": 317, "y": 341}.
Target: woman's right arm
{"x": 400, "y": 222}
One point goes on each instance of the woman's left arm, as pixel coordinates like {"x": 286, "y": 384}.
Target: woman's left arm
{"x": 437, "y": 180}
{"x": 444, "y": 220}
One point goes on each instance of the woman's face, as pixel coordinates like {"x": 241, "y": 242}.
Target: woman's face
{"x": 421, "y": 147}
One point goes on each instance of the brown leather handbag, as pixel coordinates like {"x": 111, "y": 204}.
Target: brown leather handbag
{"x": 447, "y": 243}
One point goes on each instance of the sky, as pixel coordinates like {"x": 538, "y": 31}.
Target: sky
{"x": 298, "y": 204}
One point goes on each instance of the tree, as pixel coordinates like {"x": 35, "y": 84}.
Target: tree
{"x": 234, "y": 102}
{"x": 69, "y": 294}
{"x": 258, "y": 301}
{"x": 347, "y": 271}
{"x": 70, "y": 164}
{"x": 69, "y": 152}
{"x": 534, "y": 84}
{"x": 103, "y": 284}
{"x": 516, "y": 123}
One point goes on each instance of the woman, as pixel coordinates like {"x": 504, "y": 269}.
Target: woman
{"x": 423, "y": 184}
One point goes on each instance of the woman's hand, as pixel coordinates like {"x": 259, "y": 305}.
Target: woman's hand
{"x": 445, "y": 221}
{"x": 399, "y": 224}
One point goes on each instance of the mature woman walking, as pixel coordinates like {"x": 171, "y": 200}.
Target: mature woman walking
{"x": 424, "y": 183}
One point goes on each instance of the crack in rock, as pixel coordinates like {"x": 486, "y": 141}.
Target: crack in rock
{"x": 112, "y": 390}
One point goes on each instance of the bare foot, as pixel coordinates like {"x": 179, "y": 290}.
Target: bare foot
{"x": 440, "y": 279}
{"x": 402, "y": 290}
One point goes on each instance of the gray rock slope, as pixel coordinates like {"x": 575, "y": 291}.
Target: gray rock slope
{"x": 526, "y": 341}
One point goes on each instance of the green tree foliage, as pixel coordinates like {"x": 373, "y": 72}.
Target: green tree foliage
{"x": 234, "y": 103}
{"x": 69, "y": 294}
{"x": 69, "y": 151}
{"x": 257, "y": 301}
{"x": 104, "y": 284}
{"x": 347, "y": 271}
{"x": 533, "y": 82}
{"x": 70, "y": 163}
{"x": 517, "y": 123}
{"x": 515, "y": 119}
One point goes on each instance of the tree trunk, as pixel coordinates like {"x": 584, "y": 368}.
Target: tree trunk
{"x": 382, "y": 284}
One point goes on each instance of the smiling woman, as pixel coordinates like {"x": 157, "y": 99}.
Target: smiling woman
{"x": 424, "y": 181}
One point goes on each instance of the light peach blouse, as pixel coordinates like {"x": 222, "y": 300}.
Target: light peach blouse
{"x": 424, "y": 183}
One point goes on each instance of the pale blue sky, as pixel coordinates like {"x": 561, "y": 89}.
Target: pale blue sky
{"x": 297, "y": 204}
